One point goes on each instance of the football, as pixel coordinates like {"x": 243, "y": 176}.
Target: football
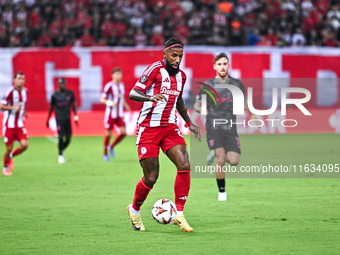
{"x": 164, "y": 211}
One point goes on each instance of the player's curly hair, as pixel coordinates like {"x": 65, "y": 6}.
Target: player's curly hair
{"x": 173, "y": 42}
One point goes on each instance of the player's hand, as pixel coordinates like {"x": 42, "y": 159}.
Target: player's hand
{"x": 26, "y": 115}
{"x": 158, "y": 97}
{"x": 196, "y": 130}
{"x": 257, "y": 121}
{"x": 76, "y": 120}
{"x": 17, "y": 108}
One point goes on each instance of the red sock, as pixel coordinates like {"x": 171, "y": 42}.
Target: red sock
{"x": 106, "y": 143}
{"x": 16, "y": 152}
{"x": 117, "y": 140}
{"x": 182, "y": 187}
{"x": 6, "y": 161}
{"x": 141, "y": 194}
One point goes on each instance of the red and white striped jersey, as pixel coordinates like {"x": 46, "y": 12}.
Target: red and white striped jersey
{"x": 14, "y": 97}
{"x": 154, "y": 80}
{"x": 115, "y": 93}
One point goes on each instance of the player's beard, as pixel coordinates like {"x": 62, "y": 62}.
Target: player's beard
{"x": 223, "y": 76}
{"x": 172, "y": 71}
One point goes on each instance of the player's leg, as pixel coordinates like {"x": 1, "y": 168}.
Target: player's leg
{"x": 220, "y": 174}
{"x": 61, "y": 134}
{"x": 180, "y": 157}
{"x": 68, "y": 134}
{"x": 211, "y": 142}
{"x": 122, "y": 134}
{"x": 22, "y": 137}
{"x": 119, "y": 122}
{"x": 7, "y": 158}
{"x": 23, "y": 146}
{"x": 107, "y": 138}
{"x": 231, "y": 154}
{"x": 233, "y": 158}
{"x": 150, "y": 170}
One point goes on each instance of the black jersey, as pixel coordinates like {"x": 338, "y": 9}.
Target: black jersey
{"x": 62, "y": 102}
{"x": 218, "y": 111}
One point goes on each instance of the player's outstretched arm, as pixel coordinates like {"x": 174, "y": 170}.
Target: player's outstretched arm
{"x": 183, "y": 111}
{"x": 139, "y": 96}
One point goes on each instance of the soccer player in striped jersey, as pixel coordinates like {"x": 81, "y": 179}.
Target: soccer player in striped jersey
{"x": 13, "y": 125}
{"x": 160, "y": 89}
{"x": 113, "y": 97}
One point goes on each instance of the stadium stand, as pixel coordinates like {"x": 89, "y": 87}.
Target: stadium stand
{"x": 68, "y": 23}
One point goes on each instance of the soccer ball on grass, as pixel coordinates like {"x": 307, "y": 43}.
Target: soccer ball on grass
{"x": 164, "y": 211}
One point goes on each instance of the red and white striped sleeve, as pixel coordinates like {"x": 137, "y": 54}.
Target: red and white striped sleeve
{"x": 148, "y": 77}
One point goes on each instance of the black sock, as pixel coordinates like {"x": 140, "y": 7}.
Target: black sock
{"x": 221, "y": 185}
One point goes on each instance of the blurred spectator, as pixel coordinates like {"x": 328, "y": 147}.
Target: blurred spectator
{"x": 86, "y": 39}
{"x": 254, "y": 37}
{"x": 157, "y": 39}
{"x": 298, "y": 39}
{"x": 140, "y": 38}
{"x": 45, "y": 40}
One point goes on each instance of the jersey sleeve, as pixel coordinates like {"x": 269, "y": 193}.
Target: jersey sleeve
{"x": 53, "y": 101}
{"x": 73, "y": 99}
{"x": 7, "y": 99}
{"x": 105, "y": 93}
{"x": 147, "y": 79}
{"x": 241, "y": 86}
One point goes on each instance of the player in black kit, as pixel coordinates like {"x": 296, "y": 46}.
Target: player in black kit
{"x": 223, "y": 140}
{"x": 61, "y": 102}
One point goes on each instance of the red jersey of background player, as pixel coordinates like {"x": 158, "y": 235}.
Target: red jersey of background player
{"x": 154, "y": 80}
{"x": 115, "y": 93}
{"x": 14, "y": 97}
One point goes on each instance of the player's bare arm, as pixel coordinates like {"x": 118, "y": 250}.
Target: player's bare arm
{"x": 109, "y": 103}
{"x": 139, "y": 96}
{"x": 76, "y": 118}
{"x": 49, "y": 115}
{"x": 183, "y": 111}
{"x": 10, "y": 108}
{"x": 198, "y": 107}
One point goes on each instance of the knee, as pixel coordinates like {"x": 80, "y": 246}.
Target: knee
{"x": 151, "y": 179}
{"x": 233, "y": 162}
{"x": 220, "y": 161}
{"x": 185, "y": 165}
{"x": 24, "y": 146}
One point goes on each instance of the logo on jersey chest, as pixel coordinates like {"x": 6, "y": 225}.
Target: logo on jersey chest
{"x": 167, "y": 91}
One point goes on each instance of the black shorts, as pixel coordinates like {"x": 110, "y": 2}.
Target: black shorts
{"x": 223, "y": 139}
{"x": 64, "y": 127}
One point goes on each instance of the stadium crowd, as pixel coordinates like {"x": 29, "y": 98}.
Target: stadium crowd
{"x": 60, "y": 23}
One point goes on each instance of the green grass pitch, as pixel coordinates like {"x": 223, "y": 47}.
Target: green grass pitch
{"x": 80, "y": 207}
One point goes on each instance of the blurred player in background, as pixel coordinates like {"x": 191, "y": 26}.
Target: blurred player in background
{"x": 223, "y": 140}
{"x": 13, "y": 125}
{"x": 61, "y": 102}
{"x": 113, "y": 97}
{"x": 160, "y": 89}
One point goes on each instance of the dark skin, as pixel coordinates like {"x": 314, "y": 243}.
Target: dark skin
{"x": 177, "y": 154}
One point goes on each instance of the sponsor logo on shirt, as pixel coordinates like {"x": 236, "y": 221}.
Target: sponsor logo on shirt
{"x": 166, "y": 91}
